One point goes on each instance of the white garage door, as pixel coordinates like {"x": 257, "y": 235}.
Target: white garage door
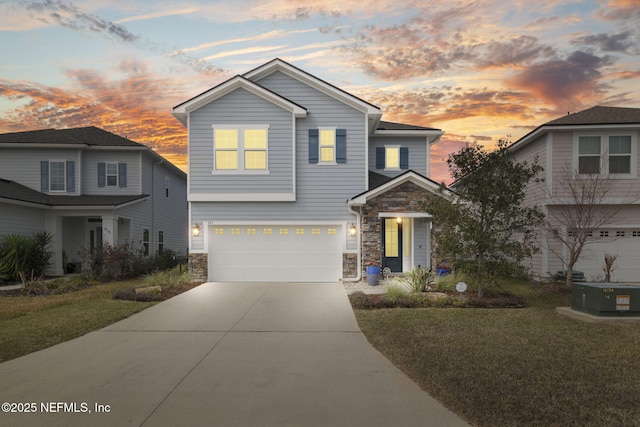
{"x": 625, "y": 243}
{"x": 241, "y": 253}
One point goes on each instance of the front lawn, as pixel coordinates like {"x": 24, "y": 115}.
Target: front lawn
{"x": 31, "y": 323}
{"x": 525, "y": 366}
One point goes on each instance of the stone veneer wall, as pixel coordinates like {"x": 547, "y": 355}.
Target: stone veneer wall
{"x": 406, "y": 197}
{"x": 199, "y": 267}
{"x": 349, "y": 265}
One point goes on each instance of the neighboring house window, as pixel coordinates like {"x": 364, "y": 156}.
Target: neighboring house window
{"x": 112, "y": 174}
{"x": 145, "y": 241}
{"x": 392, "y": 157}
{"x": 589, "y": 154}
{"x": 166, "y": 187}
{"x": 609, "y": 154}
{"x": 160, "y": 241}
{"x": 327, "y": 146}
{"x": 241, "y": 149}
{"x": 57, "y": 176}
{"x": 620, "y": 154}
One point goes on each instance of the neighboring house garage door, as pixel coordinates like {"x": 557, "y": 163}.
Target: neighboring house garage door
{"x": 278, "y": 253}
{"x": 622, "y": 242}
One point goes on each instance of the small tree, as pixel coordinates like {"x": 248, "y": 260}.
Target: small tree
{"x": 486, "y": 220}
{"x": 580, "y": 204}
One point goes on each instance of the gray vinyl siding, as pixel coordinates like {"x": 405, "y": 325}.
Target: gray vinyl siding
{"x": 420, "y": 234}
{"x": 91, "y": 158}
{"x": 75, "y": 241}
{"x": 417, "y": 153}
{"x": 16, "y": 219}
{"x": 241, "y": 108}
{"x": 321, "y": 191}
{"x": 22, "y": 165}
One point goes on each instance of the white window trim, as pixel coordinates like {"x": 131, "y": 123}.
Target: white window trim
{"x": 604, "y": 152}
{"x": 241, "y": 150}
{"x": 386, "y": 157}
{"x": 335, "y": 146}
{"x": 106, "y": 174}
{"x": 64, "y": 176}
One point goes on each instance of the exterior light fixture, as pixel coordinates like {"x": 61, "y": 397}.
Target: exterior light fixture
{"x": 352, "y": 230}
{"x": 399, "y": 220}
{"x": 195, "y": 231}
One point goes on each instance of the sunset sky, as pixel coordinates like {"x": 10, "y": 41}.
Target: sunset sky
{"x": 479, "y": 70}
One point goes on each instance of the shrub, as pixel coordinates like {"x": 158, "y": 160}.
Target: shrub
{"x": 173, "y": 277}
{"x": 131, "y": 295}
{"x": 23, "y": 256}
{"x": 418, "y": 279}
{"x": 110, "y": 261}
{"x": 360, "y": 300}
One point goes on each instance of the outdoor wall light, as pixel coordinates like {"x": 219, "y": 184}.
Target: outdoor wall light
{"x": 399, "y": 220}
{"x": 195, "y": 231}
{"x": 352, "y": 230}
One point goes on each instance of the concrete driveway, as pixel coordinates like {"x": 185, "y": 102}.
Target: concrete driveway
{"x": 222, "y": 354}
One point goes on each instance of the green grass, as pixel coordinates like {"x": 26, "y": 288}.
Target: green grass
{"x": 524, "y": 367}
{"x": 31, "y": 323}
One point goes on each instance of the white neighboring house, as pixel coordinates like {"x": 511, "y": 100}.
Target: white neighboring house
{"x": 599, "y": 139}
{"x": 89, "y": 187}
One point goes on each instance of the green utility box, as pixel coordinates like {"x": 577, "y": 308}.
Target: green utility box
{"x": 606, "y": 299}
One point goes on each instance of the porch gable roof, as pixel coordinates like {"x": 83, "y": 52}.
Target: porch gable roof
{"x": 384, "y": 186}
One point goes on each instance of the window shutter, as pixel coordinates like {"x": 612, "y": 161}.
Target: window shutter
{"x": 122, "y": 175}
{"x": 102, "y": 174}
{"x": 404, "y": 157}
{"x": 380, "y": 160}
{"x": 313, "y": 145}
{"x": 341, "y": 146}
{"x": 71, "y": 176}
{"x": 44, "y": 176}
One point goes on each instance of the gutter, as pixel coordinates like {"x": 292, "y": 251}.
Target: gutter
{"x": 358, "y": 244}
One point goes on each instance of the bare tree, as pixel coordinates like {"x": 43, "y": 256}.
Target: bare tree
{"x": 578, "y": 205}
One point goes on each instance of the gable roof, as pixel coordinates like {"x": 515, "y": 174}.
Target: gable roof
{"x": 598, "y": 116}
{"x": 12, "y": 191}
{"x": 181, "y": 111}
{"x": 386, "y": 185}
{"x": 89, "y": 136}
{"x": 335, "y": 92}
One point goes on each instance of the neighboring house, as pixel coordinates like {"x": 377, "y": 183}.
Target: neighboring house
{"x": 89, "y": 187}
{"x": 599, "y": 139}
{"x": 294, "y": 179}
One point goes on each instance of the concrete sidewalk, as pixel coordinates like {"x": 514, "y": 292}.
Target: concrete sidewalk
{"x": 222, "y": 354}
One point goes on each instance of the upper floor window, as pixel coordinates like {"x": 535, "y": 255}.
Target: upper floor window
{"x": 327, "y": 146}
{"x": 609, "y": 154}
{"x": 392, "y": 157}
{"x": 112, "y": 174}
{"x": 240, "y": 148}
{"x": 57, "y": 176}
{"x": 620, "y": 154}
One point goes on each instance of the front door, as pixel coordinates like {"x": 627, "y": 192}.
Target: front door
{"x": 392, "y": 244}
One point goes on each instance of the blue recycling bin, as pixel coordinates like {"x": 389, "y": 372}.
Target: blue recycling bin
{"x": 373, "y": 275}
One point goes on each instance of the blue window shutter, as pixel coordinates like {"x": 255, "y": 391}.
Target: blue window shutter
{"x": 380, "y": 160}
{"x": 404, "y": 157}
{"x": 102, "y": 175}
{"x": 122, "y": 175}
{"x": 341, "y": 146}
{"x": 71, "y": 176}
{"x": 314, "y": 142}
{"x": 44, "y": 176}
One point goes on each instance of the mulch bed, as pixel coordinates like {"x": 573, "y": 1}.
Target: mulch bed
{"x": 416, "y": 300}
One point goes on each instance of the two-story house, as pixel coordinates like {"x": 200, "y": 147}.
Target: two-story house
{"x": 598, "y": 142}
{"x": 293, "y": 179}
{"x": 89, "y": 187}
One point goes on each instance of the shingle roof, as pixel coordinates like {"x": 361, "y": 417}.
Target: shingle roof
{"x": 599, "y": 116}
{"x": 90, "y": 135}
{"x": 13, "y": 191}
{"x": 400, "y": 126}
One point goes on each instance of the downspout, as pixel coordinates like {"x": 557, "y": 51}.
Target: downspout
{"x": 358, "y": 244}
